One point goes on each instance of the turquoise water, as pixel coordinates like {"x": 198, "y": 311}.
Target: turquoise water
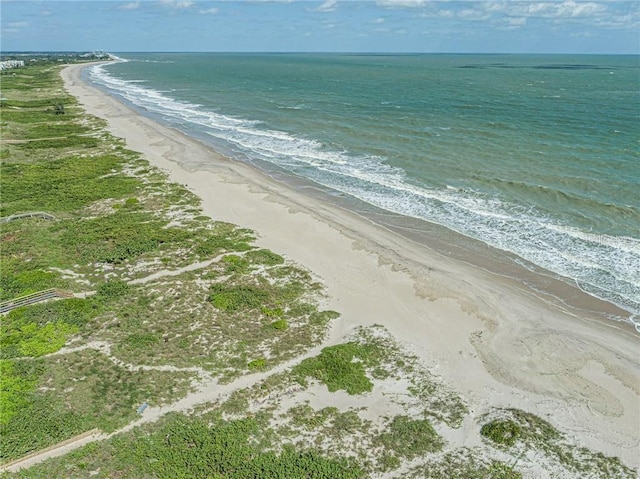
{"x": 534, "y": 155}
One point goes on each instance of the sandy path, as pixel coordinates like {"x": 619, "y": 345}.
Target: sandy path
{"x": 495, "y": 343}
{"x": 176, "y": 272}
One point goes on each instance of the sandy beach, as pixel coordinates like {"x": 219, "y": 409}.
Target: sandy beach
{"x": 492, "y": 341}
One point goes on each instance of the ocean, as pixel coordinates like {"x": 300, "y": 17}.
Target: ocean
{"x": 536, "y": 156}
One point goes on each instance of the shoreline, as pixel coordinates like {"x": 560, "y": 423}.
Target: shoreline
{"x": 560, "y": 291}
{"x": 488, "y": 339}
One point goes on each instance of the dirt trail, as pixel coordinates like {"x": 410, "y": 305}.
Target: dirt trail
{"x": 105, "y": 348}
{"x": 175, "y": 272}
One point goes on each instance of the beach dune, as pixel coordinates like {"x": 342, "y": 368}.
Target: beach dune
{"x": 489, "y": 339}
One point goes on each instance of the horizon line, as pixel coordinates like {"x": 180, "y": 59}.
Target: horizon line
{"x": 298, "y": 52}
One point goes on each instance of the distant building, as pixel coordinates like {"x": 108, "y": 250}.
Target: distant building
{"x": 7, "y": 64}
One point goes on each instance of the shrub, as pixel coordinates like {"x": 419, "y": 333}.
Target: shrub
{"x": 502, "y": 431}
{"x": 280, "y": 325}
{"x": 259, "y": 363}
{"x": 142, "y": 340}
{"x": 113, "y": 289}
{"x": 336, "y": 367}
{"x": 37, "y": 341}
{"x": 131, "y": 203}
{"x": 410, "y": 438}
{"x": 13, "y": 390}
{"x": 232, "y": 298}
{"x": 265, "y": 257}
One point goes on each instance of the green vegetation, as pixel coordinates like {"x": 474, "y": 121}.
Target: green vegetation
{"x": 14, "y": 388}
{"x": 521, "y": 431}
{"x": 409, "y": 438}
{"x": 238, "y": 298}
{"x": 43, "y": 328}
{"x": 112, "y": 289}
{"x": 504, "y": 432}
{"x": 187, "y": 447}
{"x": 307, "y": 417}
{"x": 57, "y": 397}
{"x": 280, "y": 324}
{"x": 515, "y": 426}
{"x": 339, "y": 367}
{"x": 264, "y": 257}
{"x": 462, "y": 464}
{"x": 259, "y": 363}
{"x": 63, "y": 185}
{"x": 381, "y": 445}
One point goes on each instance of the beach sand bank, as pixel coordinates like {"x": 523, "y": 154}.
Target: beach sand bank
{"x": 489, "y": 339}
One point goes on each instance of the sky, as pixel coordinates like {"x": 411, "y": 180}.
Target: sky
{"x": 425, "y": 26}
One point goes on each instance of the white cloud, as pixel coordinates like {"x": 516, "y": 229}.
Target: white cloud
{"x": 473, "y": 14}
{"x": 622, "y": 21}
{"x": 177, "y": 3}
{"x": 438, "y": 14}
{"x": 209, "y": 11}
{"x": 327, "y": 6}
{"x": 546, "y": 9}
{"x": 575, "y": 9}
{"x": 513, "y": 23}
{"x": 401, "y": 3}
{"x": 512, "y": 14}
{"x": 14, "y": 25}
{"x": 129, "y": 6}
{"x": 379, "y": 20}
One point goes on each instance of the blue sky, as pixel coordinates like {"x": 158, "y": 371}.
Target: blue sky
{"x": 514, "y": 26}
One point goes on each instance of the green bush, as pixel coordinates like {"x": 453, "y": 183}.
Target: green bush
{"x": 142, "y": 340}
{"x": 410, "y": 438}
{"x": 37, "y": 341}
{"x": 280, "y": 325}
{"x": 65, "y": 184}
{"x": 232, "y": 298}
{"x": 121, "y": 236}
{"x": 37, "y": 425}
{"x": 500, "y": 431}
{"x": 235, "y": 264}
{"x": 68, "y": 142}
{"x": 265, "y": 257}
{"x": 43, "y": 328}
{"x": 272, "y": 313}
{"x": 185, "y": 448}
{"x": 224, "y": 237}
{"x": 339, "y": 367}
{"x": 18, "y": 279}
{"x": 131, "y": 202}
{"x": 113, "y": 289}
{"x": 14, "y": 388}
{"x": 259, "y": 363}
